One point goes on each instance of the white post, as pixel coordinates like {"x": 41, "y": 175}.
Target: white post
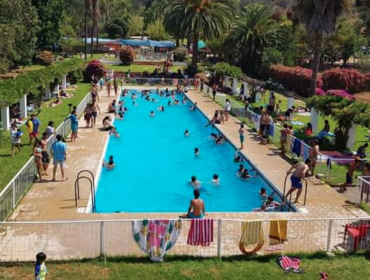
{"x": 56, "y": 88}
{"x": 23, "y": 106}
{"x": 64, "y": 82}
{"x": 290, "y": 102}
{"x": 315, "y": 115}
{"x": 5, "y": 118}
{"x": 352, "y": 136}
{"x": 47, "y": 91}
{"x": 235, "y": 85}
{"x": 246, "y": 93}
{"x": 227, "y": 81}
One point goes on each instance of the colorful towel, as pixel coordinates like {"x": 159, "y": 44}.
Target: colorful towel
{"x": 156, "y": 237}
{"x": 297, "y": 147}
{"x": 252, "y": 233}
{"x": 272, "y": 130}
{"x": 201, "y": 232}
{"x": 278, "y": 231}
{"x": 290, "y": 264}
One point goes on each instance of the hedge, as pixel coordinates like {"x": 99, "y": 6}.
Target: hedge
{"x": 11, "y": 91}
{"x": 349, "y": 80}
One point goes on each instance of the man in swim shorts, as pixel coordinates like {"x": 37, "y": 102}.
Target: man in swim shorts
{"x": 349, "y": 175}
{"x": 196, "y": 209}
{"x": 299, "y": 173}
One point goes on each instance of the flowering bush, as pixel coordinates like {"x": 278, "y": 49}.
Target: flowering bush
{"x": 127, "y": 55}
{"x": 46, "y": 58}
{"x": 295, "y": 79}
{"x": 320, "y": 92}
{"x": 334, "y": 92}
{"x": 349, "y": 80}
{"x": 96, "y": 68}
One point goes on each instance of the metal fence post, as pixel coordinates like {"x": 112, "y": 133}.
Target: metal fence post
{"x": 219, "y": 234}
{"x": 13, "y": 195}
{"x": 329, "y": 236}
{"x": 102, "y": 240}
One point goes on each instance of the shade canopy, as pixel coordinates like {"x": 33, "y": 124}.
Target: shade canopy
{"x": 148, "y": 43}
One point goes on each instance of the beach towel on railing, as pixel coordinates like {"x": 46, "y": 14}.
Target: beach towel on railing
{"x": 256, "y": 120}
{"x": 272, "y": 130}
{"x": 156, "y": 237}
{"x": 252, "y": 234}
{"x": 306, "y": 152}
{"x": 278, "y": 231}
{"x": 201, "y": 232}
{"x": 297, "y": 147}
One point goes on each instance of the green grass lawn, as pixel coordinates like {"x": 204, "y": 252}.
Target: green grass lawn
{"x": 10, "y": 166}
{"x": 355, "y": 267}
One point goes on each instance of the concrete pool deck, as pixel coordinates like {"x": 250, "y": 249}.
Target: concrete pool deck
{"x": 49, "y": 201}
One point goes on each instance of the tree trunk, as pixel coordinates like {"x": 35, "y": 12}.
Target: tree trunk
{"x": 97, "y": 38}
{"x": 316, "y": 62}
{"x": 194, "y": 61}
{"x": 86, "y": 6}
{"x": 177, "y": 42}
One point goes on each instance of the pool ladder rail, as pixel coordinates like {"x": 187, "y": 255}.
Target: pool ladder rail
{"x": 290, "y": 197}
{"x": 81, "y": 176}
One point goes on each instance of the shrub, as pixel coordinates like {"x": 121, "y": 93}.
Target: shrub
{"x": 46, "y": 58}
{"x": 96, "y": 68}
{"x": 180, "y": 54}
{"x": 349, "y": 80}
{"x": 127, "y": 55}
{"x": 295, "y": 79}
{"x": 340, "y": 93}
{"x": 75, "y": 76}
{"x": 368, "y": 81}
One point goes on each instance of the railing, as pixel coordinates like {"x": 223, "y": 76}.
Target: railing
{"x": 330, "y": 169}
{"x": 19, "y": 185}
{"x": 63, "y": 240}
{"x": 363, "y": 184}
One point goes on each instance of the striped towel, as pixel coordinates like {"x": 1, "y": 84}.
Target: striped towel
{"x": 252, "y": 233}
{"x": 278, "y": 231}
{"x": 201, "y": 232}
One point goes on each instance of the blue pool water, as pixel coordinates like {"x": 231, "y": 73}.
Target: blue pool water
{"x": 155, "y": 161}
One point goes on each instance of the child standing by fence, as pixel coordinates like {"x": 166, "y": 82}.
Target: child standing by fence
{"x": 40, "y": 268}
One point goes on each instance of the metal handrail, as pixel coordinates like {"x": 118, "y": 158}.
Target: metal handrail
{"x": 290, "y": 197}
{"x": 77, "y": 192}
{"x": 90, "y": 173}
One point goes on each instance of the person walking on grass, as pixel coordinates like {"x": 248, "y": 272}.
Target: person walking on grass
{"x": 16, "y": 135}
{"x": 300, "y": 170}
{"x": 59, "y": 151}
{"x": 33, "y": 125}
{"x": 74, "y": 125}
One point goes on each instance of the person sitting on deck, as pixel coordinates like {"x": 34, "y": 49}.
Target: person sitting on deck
{"x": 196, "y": 208}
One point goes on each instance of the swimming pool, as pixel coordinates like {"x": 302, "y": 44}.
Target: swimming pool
{"x": 155, "y": 161}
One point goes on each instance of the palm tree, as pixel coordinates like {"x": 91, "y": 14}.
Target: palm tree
{"x": 254, "y": 31}
{"x": 199, "y": 19}
{"x": 319, "y": 17}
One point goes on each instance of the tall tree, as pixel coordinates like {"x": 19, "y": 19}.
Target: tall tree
{"x": 320, "y": 18}
{"x": 254, "y": 31}
{"x": 18, "y": 27}
{"x": 199, "y": 19}
{"x": 51, "y": 15}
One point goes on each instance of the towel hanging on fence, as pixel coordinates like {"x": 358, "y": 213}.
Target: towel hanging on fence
{"x": 306, "y": 152}
{"x": 257, "y": 120}
{"x": 297, "y": 147}
{"x": 288, "y": 144}
{"x": 328, "y": 163}
{"x": 272, "y": 130}
{"x": 156, "y": 237}
{"x": 278, "y": 232}
{"x": 201, "y": 232}
{"x": 252, "y": 234}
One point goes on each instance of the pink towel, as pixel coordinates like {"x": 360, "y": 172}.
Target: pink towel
{"x": 201, "y": 232}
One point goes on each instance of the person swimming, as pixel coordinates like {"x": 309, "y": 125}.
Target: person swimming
{"x": 196, "y": 152}
{"x": 194, "y": 183}
{"x": 152, "y": 114}
{"x": 114, "y": 132}
{"x": 263, "y": 194}
{"x": 220, "y": 140}
{"x": 186, "y": 133}
{"x": 237, "y": 156}
{"x": 169, "y": 103}
{"x": 161, "y": 108}
{"x": 215, "y": 179}
{"x": 240, "y": 170}
{"x": 110, "y": 164}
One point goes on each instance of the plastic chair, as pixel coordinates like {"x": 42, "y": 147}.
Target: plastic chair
{"x": 357, "y": 233}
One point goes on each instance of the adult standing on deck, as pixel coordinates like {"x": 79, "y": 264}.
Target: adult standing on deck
{"x": 349, "y": 175}
{"x": 314, "y": 152}
{"x": 115, "y": 86}
{"x": 94, "y": 112}
{"x": 299, "y": 173}
{"x": 241, "y": 136}
{"x": 214, "y": 91}
{"x": 45, "y": 155}
{"x": 59, "y": 150}
{"x": 74, "y": 125}
{"x": 227, "y": 109}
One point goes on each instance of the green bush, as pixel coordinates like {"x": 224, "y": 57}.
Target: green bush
{"x": 127, "y": 55}
{"x": 96, "y": 68}
{"x": 75, "y": 76}
{"x": 46, "y": 58}
{"x": 180, "y": 54}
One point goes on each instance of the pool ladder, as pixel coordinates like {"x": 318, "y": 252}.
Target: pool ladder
{"x": 81, "y": 176}
{"x": 290, "y": 197}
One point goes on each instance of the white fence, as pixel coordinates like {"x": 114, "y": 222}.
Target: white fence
{"x": 18, "y": 186}
{"x": 63, "y": 240}
{"x": 363, "y": 184}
